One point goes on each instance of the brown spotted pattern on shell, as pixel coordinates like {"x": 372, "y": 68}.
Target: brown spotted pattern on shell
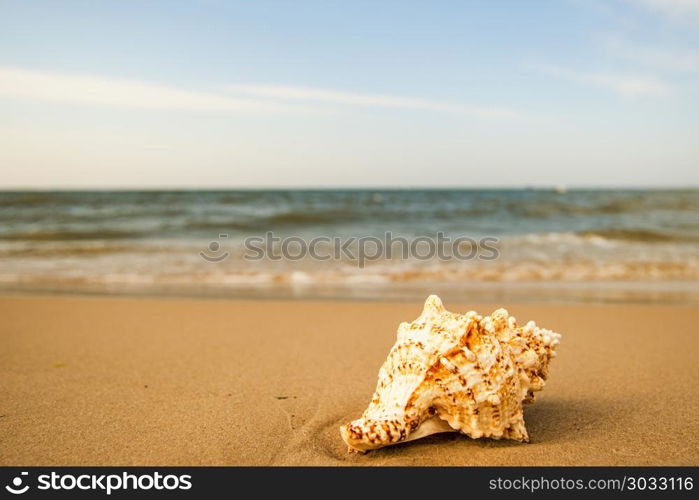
{"x": 455, "y": 372}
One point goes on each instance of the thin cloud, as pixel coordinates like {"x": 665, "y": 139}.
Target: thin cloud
{"x": 677, "y": 60}
{"x": 126, "y": 93}
{"x": 623, "y": 85}
{"x": 681, "y": 10}
{"x": 123, "y": 93}
{"x": 287, "y": 93}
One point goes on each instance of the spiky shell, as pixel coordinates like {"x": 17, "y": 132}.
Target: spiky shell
{"x": 455, "y": 372}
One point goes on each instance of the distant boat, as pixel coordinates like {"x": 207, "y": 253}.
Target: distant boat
{"x": 561, "y": 189}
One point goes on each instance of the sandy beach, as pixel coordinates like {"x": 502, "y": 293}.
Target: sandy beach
{"x": 141, "y": 381}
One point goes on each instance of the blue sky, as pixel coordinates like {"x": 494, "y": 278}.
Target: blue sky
{"x": 257, "y": 94}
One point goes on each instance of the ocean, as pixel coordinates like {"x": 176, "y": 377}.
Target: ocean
{"x": 557, "y": 245}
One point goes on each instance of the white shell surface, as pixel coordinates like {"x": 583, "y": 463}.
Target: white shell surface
{"x": 458, "y": 372}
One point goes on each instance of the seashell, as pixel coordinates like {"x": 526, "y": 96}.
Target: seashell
{"x": 450, "y": 372}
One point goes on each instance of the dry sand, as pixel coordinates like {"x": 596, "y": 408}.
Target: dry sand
{"x": 120, "y": 381}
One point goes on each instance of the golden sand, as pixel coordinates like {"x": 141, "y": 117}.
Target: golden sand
{"x": 120, "y": 381}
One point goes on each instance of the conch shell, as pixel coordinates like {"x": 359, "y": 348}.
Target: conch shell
{"x": 450, "y": 372}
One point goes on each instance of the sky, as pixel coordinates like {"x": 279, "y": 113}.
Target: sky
{"x": 214, "y": 94}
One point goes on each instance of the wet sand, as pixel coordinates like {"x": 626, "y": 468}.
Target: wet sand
{"x": 142, "y": 381}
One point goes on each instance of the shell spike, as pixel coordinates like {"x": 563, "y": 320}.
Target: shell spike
{"x": 433, "y": 306}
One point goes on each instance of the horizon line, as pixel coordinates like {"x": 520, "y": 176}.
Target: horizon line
{"x": 533, "y": 187}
